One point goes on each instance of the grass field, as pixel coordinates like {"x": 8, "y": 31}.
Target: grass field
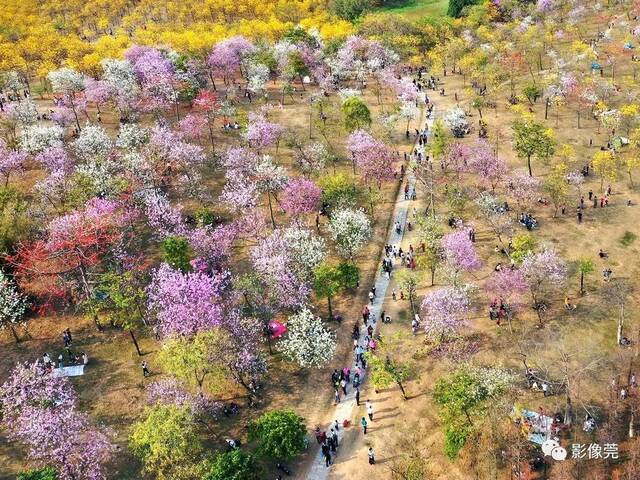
{"x": 419, "y": 8}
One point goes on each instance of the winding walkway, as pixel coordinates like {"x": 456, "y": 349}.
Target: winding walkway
{"x": 346, "y": 409}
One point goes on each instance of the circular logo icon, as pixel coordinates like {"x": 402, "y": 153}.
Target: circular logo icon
{"x": 559, "y": 453}
{"x": 548, "y": 446}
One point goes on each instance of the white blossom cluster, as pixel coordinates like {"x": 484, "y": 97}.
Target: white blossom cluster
{"x": 307, "y": 342}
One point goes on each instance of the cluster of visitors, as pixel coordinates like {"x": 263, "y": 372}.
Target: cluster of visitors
{"x": 529, "y": 221}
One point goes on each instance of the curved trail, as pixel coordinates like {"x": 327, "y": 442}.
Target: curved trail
{"x": 346, "y": 409}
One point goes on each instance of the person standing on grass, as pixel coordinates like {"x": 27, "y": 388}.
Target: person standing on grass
{"x": 364, "y": 424}
{"x": 145, "y": 369}
{"x": 372, "y": 457}
{"x": 370, "y": 410}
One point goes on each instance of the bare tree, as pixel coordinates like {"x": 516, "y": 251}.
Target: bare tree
{"x": 616, "y": 293}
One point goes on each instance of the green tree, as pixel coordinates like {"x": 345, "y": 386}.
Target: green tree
{"x": 522, "y": 245}
{"x": 177, "y": 253}
{"x": 355, "y": 114}
{"x": 326, "y": 283}
{"x": 440, "y": 139}
{"x": 339, "y": 190}
{"x": 46, "y": 473}
{"x": 350, "y": 10}
{"x": 408, "y": 281}
{"x": 532, "y": 140}
{"x": 280, "y": 434}
{"x": 349, "y": 275}
{"x": 430, "y": 233}
{"x": 605, "y": 164}
{"x": 296, "y": 67}
{"x": 121, "y": 296}
{"x": 189, "y": 359}
{"x": 234, "y": 465}
{"x": 555, "y": 186}
{"x": 456, "y": 7}
{"x": 387, "y": 370}
{"x": 462, "y": 395}
{"x": 167, "y": 442}
{"x": 585, "y": 267}
{"x": 531, "y": 92}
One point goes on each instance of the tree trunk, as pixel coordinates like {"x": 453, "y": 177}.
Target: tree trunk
{"x": 135, "y": 342}
{"x": 529, "y": 165}
{"x": 433, "y": 276}
{"x": 14, "y": 333}
{"x": 97, "y": 322}
{"x": 581, "y": 283}
{"x": 404, "y": 394}
{"x": 546, "y": 109}
{"x": 330, "y": 308}
{"x": 273, "y": 221}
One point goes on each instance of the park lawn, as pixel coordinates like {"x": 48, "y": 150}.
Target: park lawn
{"x": 112, "y": 391}
{"x": 414, "y": 9}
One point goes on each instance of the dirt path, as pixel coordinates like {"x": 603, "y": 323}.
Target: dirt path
{"x": 349, "y": 439}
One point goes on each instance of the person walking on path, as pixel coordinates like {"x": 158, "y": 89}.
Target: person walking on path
{"x": 327, "y": 455}
{"x": 343, "y": 384}
{"x": 370, "y": 410}
{"x": 364, "y": 424}
{"x": 357, "y": 397}
{"x": 334, "y": 436}
{"x": 372, "y": 457}
{"x": 145, "y": 368}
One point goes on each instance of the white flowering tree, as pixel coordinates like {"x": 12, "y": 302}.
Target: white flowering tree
{"x": 36, "y": 138}
{"x": 350, "y": 229}
{"x": 258, "y": 76}
{"x": 26, "y": 112}
{"x": 12, "y": 306}
{"x": 307, "y": 342}
{"x": 456, "y": 120}
{"x": 131, "y": 136}
{"x": 308, "y": 250}
{"x": 68, "y": 82}
{"x": 92, "y": 143}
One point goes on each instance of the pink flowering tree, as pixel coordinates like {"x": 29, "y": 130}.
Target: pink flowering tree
{"x": 172, "y": 160}
{"x": 226, "y": 57}
{"x": 12, "y": 162}
{"x": 164, "y": 218}
{"x": 457, "y": 157}
{"x": 460, "y": 254}
{"x": 543, "y": 271}
{"x": 261, "y": 133}
{"x": 270, "y": 179}
{"x": 207, "y": 103}
{"x": 284, "y": 261}
{"x": 507, "y": 286}
{"x": 183, "y": 304}
{"x": 193, "y": 126}
{"x": 371, "y": 156}
{"x": 170, "y": 391}
{"x": 39, "y": 411}
{"x": 486, "y": 164}
{"x": 300, "y": 196}
{"x": 524, "y": 189}
{"x": 445, "y": 312}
